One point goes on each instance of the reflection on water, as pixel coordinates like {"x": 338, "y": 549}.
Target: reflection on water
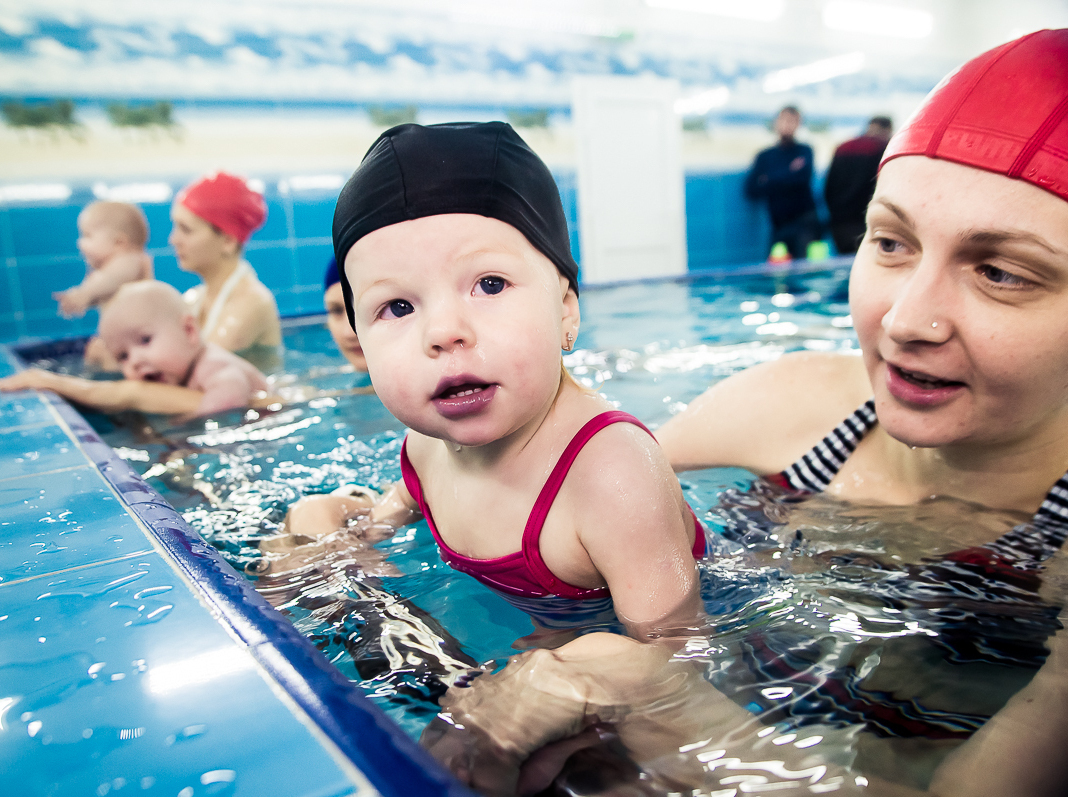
{"x": 856, "y": 640}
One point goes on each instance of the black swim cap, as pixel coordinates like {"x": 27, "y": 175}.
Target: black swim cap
{"x": 413, "y": 171}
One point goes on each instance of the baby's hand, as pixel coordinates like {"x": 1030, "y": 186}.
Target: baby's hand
{"x": 328, "y": 530}
{"x": 72, "y": 303}
{"x": 30, "y": 379}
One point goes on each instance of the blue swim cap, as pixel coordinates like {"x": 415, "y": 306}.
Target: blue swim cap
{"x": 332, "y": 277}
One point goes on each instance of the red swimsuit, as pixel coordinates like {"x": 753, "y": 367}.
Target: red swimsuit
{"x": 524, "y": 572}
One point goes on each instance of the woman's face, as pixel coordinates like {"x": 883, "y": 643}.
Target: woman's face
{"x": 959, "y": 295}
{"x": 337, "y": 321}
{"x": 198, "y": 246}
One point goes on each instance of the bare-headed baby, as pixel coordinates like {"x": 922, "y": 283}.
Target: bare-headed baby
{"x": 167, "y": 367}
{"x": 111, "y": 238}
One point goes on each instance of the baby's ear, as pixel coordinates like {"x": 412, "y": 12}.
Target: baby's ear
{"x": 189, "y": 327}
{"x": 570, "y": 302}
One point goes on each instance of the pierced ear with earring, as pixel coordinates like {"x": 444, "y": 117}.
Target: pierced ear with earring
{"x": 570, "y": 341}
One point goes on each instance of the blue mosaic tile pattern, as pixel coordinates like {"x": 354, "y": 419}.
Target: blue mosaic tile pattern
{"x": 134, "y": 660}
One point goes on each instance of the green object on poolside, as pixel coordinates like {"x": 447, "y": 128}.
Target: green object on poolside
{"x": 779, "y": 253}
{"x": 817, "y": 251}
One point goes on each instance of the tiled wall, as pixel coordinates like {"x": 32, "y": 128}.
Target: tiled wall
{"x": 38, "y": 255}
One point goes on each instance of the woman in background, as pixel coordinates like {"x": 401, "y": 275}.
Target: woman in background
{"x": 213, "y": 219}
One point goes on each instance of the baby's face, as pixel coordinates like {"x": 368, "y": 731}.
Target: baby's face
{"x": 96, "y": 241}
{"x": 151, "y": 349}
{"x": 462, "y": 321}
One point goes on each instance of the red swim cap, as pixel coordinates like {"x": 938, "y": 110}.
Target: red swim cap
{"x": 1005, "y": 111}
{"x": 227, "y": 202}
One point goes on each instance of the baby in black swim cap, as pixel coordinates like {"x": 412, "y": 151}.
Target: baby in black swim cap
{"x": 459, "y": 280}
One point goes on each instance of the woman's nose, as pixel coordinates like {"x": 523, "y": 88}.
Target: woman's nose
{"x": 922, "y": 308}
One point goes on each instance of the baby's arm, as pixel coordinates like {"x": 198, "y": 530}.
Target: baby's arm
{"x": 125, "y": 394}
{"x": 100, "y": 284}
{"x": 634, "y": 524}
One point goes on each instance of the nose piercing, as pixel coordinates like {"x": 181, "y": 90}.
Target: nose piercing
{"x": 570, "y": 341}
{"x": 934, "y": 325}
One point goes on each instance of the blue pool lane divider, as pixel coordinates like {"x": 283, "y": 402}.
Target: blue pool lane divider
{"x": 377, "y": 757}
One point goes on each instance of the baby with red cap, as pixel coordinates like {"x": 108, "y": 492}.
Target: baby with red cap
{"x": 959, "y": 298}
{"x": 213, "y": 218}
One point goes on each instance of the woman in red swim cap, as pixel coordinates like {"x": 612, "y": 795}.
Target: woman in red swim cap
{"x": 212, "y": 220}
{"x": 959, "y": 297}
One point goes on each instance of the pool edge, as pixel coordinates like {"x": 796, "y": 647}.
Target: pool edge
{"x": 370, "y": 741}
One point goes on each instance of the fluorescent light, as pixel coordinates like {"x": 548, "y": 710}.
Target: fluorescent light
{"x": 877, "y": 19}
{"x": 197, "y": 670}
{"x": 134, "y": 192}
{"x": 816, "y": 72}
{"x": 702, "y": 103}
{"x": 758, "y": 10}
{"x": 36, "y": 192}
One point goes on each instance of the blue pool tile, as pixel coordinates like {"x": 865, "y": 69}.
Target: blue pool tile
{"x": 45, "y": 230}
{"x": 39, "y": 278}
{"x": 311, "y": 263}
{"x": 24, "y": 408}
{"x": 117, "y": 679}
{"x": 35, "y": 450}
{"x": 70, "y": 519}
{"x": 314, "y": 219}
{"x": 275, "y": 227}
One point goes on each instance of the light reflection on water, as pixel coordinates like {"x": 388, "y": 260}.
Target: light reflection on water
{"x": 838, "y": 627}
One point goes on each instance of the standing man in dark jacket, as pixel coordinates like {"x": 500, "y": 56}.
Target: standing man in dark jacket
{"x": 782, "y": 175}
{"x": 851, "y": 181}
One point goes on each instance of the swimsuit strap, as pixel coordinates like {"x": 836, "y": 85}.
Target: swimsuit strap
{"x": 545, "y": 499}
{"x": 815, "y": 470}
{"x": 1030, "y": 544}
{"x": 215, "y": 312}
{"x": 1024, "y": 547}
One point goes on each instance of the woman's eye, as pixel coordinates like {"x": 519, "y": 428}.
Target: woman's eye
{"x": 1000, "y": 276}
{"x": 888, "y": 246}
{"x": 398, "y": 308}
{"x": 491, "y": 285}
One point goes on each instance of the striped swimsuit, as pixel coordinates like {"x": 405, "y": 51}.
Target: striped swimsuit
{"x": 982, "y": 600}
{"x": 1025, "y": 547}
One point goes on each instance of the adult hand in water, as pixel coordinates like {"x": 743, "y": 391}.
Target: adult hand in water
{"x": 512, "y": 732}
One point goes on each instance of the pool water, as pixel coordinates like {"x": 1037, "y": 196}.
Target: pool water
{"x": 821, "y": 614}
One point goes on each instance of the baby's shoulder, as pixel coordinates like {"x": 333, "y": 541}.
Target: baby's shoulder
{"x": 217, "y": 364}
{"x": 620, "y": 460}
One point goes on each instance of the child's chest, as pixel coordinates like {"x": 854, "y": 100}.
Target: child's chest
{"x": 478, "y": 518}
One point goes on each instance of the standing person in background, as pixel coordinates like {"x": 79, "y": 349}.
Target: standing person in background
{"x": 782, "y": 175}
{"x": 851, "y": 182}
{"x": 212, "y": 220}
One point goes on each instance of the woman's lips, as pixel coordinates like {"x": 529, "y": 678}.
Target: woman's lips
{"x": 462, "y": 399}
{"x": 916, "y": 387}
